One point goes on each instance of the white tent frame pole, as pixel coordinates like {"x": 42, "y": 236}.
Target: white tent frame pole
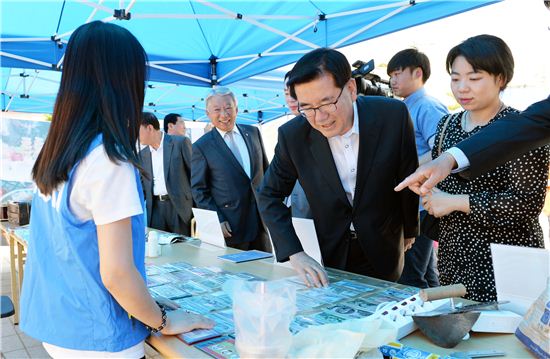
{"x": 266, "y": 108}
{"x": 368, "y": 26}
{"x": 264, "y": 101}
{"x": 266, "y": 52}
{"x": 368, "y": 9}
{"x": 97, "y": 6}
{"x": 166, "y": 93}
{"x": 179, "y": 72}
{"x": 220, "y": 16}
{"x": 183, "y": 16}
{"x": 130, "y": 6}
{"x": 60, "y": 61}
{"x": 179, "y": 62}
{"x": 26, "y": 90}
{"x": 94, "y": 11}
{"x": 281, "y": 53}
{"x": 258, "y": 24}
{"x": 24, "y": 39}
{"x": 26, "y": 59}
{"x": 12, "y": 96}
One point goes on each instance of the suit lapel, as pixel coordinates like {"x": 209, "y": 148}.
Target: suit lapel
{"x": 369, "y": 136}
{"x": 167, "y": 155}
{"x": 250, "y": 147}
{"x": 320, "y": 150}
{"x": 221, "y": 146}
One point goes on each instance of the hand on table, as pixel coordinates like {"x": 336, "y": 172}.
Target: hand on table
{"x": 179, "y": 321}
{"x": 311, "y": 272}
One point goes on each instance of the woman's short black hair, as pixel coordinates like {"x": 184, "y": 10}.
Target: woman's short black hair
{"x": 487, "y": 53}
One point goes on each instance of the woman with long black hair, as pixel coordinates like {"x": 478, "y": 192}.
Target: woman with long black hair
{"x": 84, "y": 293}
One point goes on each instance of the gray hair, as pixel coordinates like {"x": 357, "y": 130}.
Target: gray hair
{"x": 220, "y": 91}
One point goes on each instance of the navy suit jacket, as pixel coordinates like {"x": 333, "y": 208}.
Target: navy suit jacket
{"x": 381, "y": 217}
{"x": 507, "y": 139}
{"x": 219, "y": 183}
{"x": 177, "y": 170}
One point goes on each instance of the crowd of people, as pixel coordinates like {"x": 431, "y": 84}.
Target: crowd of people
{"x": 349, "y": 162}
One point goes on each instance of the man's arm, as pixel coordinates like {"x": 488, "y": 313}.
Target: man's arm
{"x": 507, "y": 139}
{"x": 278, "y": 183}
{"x": 498, "y": 143}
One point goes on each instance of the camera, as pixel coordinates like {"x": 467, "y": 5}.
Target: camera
{"x": 367, "y": 83}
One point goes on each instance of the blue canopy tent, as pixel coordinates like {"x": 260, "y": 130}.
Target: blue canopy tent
{"x": 206, "y": 43}
{"x": 260, "y": 98}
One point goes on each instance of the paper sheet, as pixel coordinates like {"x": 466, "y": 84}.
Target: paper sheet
{"x": 325, "y": 341}
{"x": 520, "y": 275}
{"x": 208, "y": 227}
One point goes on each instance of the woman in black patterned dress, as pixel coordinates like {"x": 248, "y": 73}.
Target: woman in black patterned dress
{"x": 501, "y": 206}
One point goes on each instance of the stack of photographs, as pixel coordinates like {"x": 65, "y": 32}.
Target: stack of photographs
{"x": 199, "y": 290}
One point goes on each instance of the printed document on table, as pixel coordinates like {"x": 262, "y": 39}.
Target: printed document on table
{"x": 208, "y": 227}
{"x": 520, "y": 275}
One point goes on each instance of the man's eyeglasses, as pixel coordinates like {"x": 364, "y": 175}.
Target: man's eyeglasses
{"x": 326, "y": 108}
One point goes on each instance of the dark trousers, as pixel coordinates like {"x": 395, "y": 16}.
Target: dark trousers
{"x": 356, "y": 261}
{"x": 165, "y": 218}
{"x": 420, "y": 267}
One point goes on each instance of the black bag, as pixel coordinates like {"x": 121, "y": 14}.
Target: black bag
{"x": 429, "y": 225}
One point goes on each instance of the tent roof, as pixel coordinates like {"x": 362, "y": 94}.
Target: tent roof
{"x": 260, "y": 98}
{"x": 201, "y": 42}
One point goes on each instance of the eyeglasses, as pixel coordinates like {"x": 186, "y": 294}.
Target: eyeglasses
{"x": 326, "y": 108}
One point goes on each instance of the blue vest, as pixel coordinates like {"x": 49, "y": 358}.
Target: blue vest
{"x": 63, "y": 300}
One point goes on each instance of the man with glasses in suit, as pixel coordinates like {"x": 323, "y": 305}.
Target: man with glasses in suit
{"x": 347, "y": 152}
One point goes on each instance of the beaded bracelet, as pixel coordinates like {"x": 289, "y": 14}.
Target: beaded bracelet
{"x": 163, "y": 324}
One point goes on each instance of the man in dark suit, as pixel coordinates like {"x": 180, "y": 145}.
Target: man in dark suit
{"x": 498, "y": 143}
{"x": 347, "y": 152}
{"x": 167, "y": 162}
{"x": 228, "y": 165}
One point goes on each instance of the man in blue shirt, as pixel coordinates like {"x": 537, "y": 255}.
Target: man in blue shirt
{"x": 409, "y": 70}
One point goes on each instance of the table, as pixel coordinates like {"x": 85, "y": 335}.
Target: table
{"x": 18, "y": 250}
{"x": 207, "y": 256}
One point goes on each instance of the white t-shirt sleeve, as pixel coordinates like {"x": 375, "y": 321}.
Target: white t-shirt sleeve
{"x": 104, "y": 191}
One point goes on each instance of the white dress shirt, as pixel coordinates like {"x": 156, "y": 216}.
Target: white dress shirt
{"x": 157, "y": 160}
{"x": 345, "y": 151}
{"x": 243, "y": 150}
{"x": 462, "y": 161}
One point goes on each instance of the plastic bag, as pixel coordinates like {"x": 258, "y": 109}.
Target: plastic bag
{"x": 534, "y": 330}
{"x": 262, "y": 314}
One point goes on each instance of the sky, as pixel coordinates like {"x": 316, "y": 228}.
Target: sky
{"x": 522, "y": 24}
